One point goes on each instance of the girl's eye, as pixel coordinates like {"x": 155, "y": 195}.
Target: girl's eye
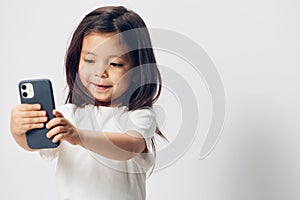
{"x": 116, "y": 64}
{"x": 89, "y": 61}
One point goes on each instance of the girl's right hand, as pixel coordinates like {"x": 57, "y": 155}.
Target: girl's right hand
{"x": 25, "y": 117}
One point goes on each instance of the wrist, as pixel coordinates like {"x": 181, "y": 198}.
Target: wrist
{"x": 79, "y": 139}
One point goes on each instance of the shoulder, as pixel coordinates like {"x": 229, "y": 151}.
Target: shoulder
{"x": 144, "y": 117}
{"x": 142, "y": 111}
{"x": 145, "y": 113}
{"x": 142, "y": 121}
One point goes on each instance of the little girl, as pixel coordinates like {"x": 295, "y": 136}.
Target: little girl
{"x": 107, "y": 125}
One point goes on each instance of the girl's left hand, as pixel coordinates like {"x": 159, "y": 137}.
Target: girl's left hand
{"x": 62, "y": 129}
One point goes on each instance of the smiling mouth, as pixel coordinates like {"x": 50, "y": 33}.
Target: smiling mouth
{"x": 102, "y": 87}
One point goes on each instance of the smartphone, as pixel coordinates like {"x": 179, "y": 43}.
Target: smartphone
{"x": 38, "y": 91}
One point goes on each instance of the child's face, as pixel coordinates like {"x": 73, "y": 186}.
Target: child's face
{"x": 103, "y": 67}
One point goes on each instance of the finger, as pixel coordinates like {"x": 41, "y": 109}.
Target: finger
{"x": 30, "y": 114}
{"x": 27, "y": 110}
{"x": 59, "y": 137}
{"x": 28, "y": 127}
{"x": 57, "y": 113}
{"x": 34, "y": 120}
{"x": 55, "y": 131}
{"x": 26, "y": 107}
{"x": 55, "y": 122}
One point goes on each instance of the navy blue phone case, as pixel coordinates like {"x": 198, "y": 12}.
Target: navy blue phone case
{"x": 43, "y": 95}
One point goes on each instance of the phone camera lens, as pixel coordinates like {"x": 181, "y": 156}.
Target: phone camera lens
{"x": 23, "y": 87}
{"x": 25, "y": 94}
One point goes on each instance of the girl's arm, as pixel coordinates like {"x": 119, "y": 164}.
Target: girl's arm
{"x": 25, "y": 117}
{"x": 111, "y": 145}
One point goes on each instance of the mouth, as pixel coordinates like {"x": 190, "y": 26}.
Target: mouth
{"x": 102, "y": 87}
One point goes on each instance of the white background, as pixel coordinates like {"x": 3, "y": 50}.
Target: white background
{"x": 255, "y": 46}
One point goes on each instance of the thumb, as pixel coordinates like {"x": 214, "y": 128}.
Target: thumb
{"x": 57, "y": 113}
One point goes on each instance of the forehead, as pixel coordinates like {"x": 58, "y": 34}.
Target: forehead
{"x": 104, "y": 44}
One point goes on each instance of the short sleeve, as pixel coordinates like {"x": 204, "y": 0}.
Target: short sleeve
{"x": 142, "y": 121}
{"x": 68, "y": 112}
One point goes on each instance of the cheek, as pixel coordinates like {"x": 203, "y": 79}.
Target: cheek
{"x": 83, "y": 73}
{"x": 124, "y": 84}
{"x": 125, "y": 79}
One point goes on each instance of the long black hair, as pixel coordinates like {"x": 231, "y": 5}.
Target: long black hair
{"x": 116, "y": 19}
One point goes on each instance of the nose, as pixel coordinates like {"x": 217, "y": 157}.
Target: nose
{"x": 104, "y": 74}
{"x": 101, "y": 71}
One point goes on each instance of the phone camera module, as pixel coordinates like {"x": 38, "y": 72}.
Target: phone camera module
{"x": 27, "y": 90}
{"x": 25, "y": 94}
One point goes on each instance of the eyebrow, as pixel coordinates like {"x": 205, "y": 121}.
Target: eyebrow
{"x": 88, "y": 52}
{"x": 111, "y": 56}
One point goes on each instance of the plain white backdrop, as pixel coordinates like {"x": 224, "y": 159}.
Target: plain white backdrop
{"x": 255, "y": 46}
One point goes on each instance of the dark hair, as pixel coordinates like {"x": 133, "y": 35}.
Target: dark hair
{"x": 116, "y": 19}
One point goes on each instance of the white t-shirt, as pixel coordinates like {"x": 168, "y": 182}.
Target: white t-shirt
{"x": 85, "y": 175}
